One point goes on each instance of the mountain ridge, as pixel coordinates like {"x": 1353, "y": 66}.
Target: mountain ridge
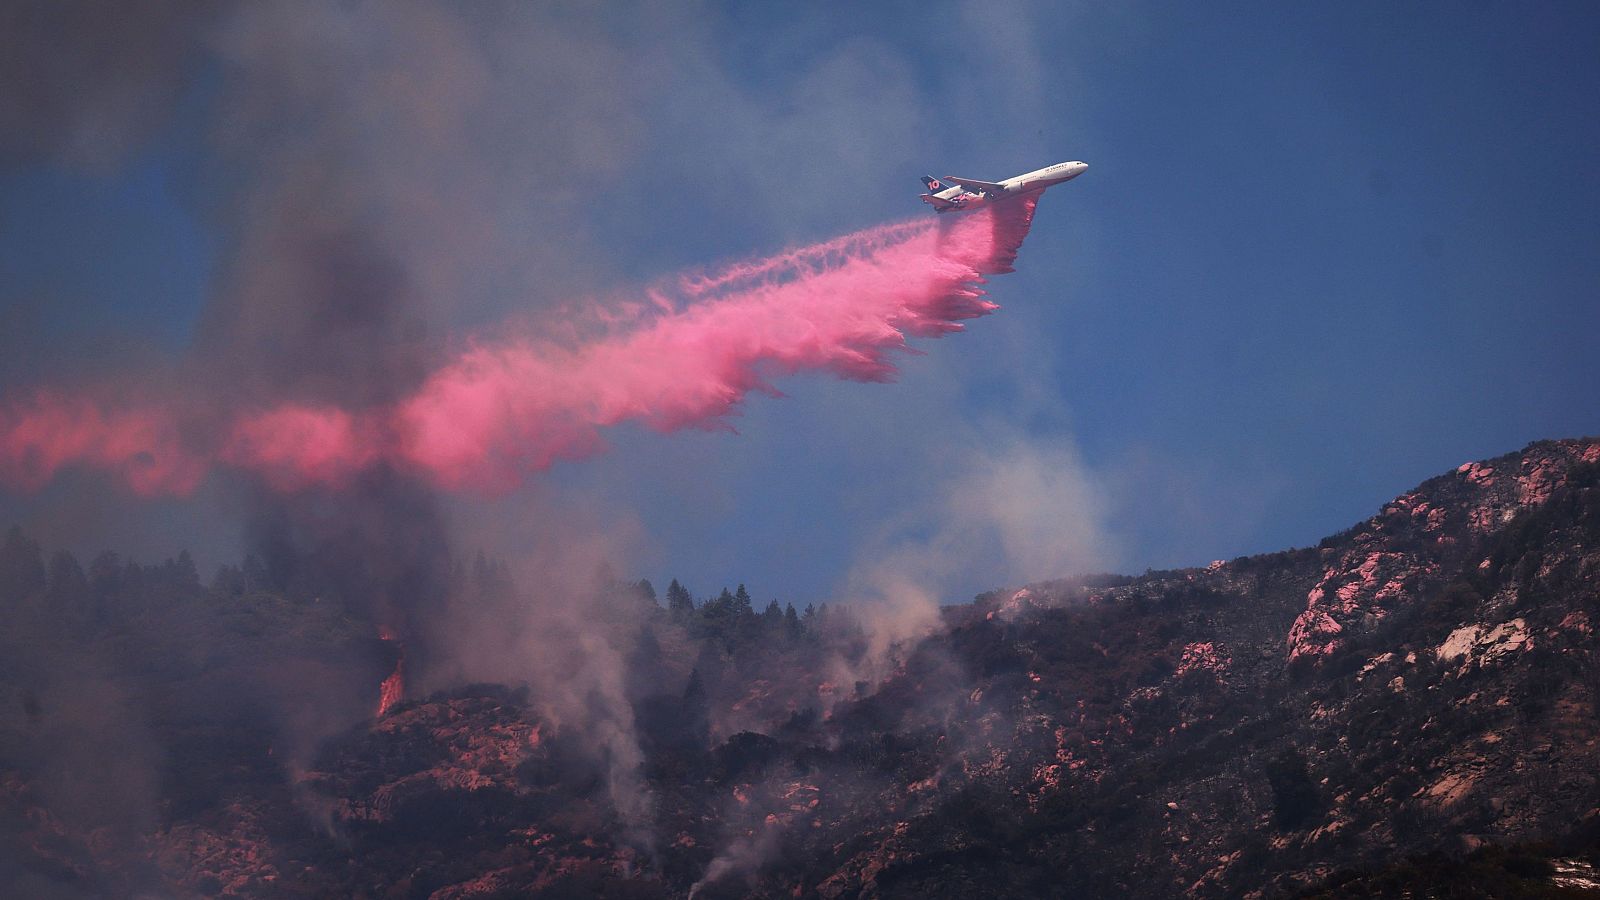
{"x": 1424, "y": 682}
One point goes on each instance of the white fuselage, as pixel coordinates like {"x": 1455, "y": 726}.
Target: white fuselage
{"x": 1039, "y": 179}
{"x": 966, "y": 197}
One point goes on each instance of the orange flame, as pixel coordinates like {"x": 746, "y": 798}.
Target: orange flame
{"x": 393, "y": 689}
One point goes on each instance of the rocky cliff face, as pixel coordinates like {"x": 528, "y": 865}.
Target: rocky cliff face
{"x": 1428, "y": 681}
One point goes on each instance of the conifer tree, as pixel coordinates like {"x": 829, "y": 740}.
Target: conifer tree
{"x": 68, "y": 585}
{"x": 679, "y": 600}
{"x": 69, "y": 594}
{"x": 185, "y": 572}
{"x": 257, "y": 577}
{"x": 105, "y": 575}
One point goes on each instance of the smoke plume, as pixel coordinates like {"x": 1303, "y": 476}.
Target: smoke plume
{"x": 351, "y": 162}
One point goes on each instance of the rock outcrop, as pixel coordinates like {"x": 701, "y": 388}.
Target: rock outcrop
{"x": 1427, "y": 682}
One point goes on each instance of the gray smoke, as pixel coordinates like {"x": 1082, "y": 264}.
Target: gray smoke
{"x": 386, "y": 176}
{"x": 382, "y": 175}
{"x": 87, "y": 83}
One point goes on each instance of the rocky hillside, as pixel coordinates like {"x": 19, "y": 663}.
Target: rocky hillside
{"x": 1413, "y": 701}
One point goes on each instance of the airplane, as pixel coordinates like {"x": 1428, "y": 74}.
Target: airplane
{"x": 970, "y": 193}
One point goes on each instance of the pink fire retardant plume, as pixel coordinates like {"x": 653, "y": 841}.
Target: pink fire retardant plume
{"x": 295, "y": 447}
{"x": 49, "y": 431}
{"x": 503, "y": 410}
{"x": 839, "y": 307}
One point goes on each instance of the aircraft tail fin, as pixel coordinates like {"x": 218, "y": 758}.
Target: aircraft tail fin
{"x": 934, "y": 185}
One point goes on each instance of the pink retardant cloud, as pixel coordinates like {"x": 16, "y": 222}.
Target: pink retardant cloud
{"x": 294, "y": 447}
{"x": 842, "y": 308}
{"x": 50, "y": 430}
{"x": 504, "y": 409}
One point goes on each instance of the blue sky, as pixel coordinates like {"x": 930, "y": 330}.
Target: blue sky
{"x": 1321, "y": 253}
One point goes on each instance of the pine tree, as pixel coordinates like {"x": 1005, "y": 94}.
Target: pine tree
{"x": 679, "y": 600}
{"x": 256, "y": 575}
{"x": 105, "y": 575}
{"x": 694, "y": 692}
{"x": 741, "y": 600}
{"x": 134, "y": 581}
{"x": 69, "y": 593}
{"x": 177, "y": 577}
{"x": 185, "y": 572}
{"x": 228, "y": 581}
{"x": 791, "y": 621}
{"x": 719, "y": 610}
{"x": 66, "y": 576}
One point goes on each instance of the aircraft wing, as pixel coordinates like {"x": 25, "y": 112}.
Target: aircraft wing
{"x": 973, "y": 184}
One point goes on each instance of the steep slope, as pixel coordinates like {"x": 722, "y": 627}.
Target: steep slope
{"x": 1427, "y": 679}
{"x": 1427, "y": 682}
